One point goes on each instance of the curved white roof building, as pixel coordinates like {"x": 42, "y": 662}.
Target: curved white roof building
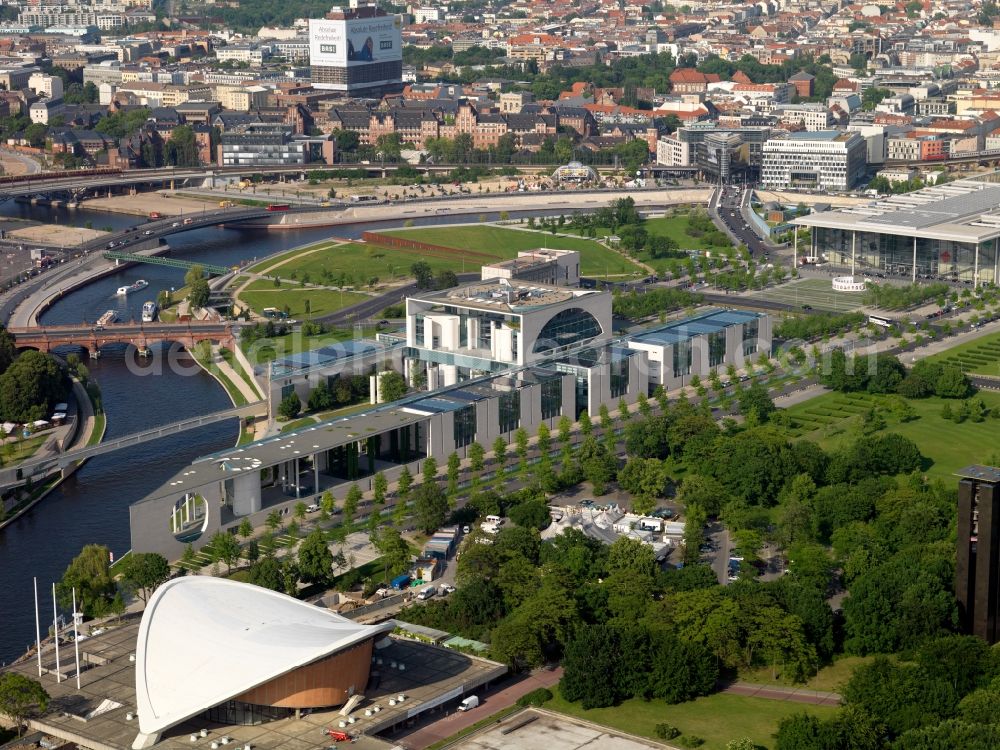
{"x": 204, "y": 641}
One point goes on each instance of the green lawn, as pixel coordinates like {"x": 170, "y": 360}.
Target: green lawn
{"x": 979, "y": 357}
{"x": 502, "y": 243}
{"x": 321, "y": 301}
{"x": 830, "y": 678}
{"x": 675, "y": 228}
{"x": 361, "y": 262}
{"x": 235, "y": 364}
{"x": 717, "y": 718}
{"x": 262, "y": 266}
{"x": 268, "y": 350}
{"x": 949, "y": 446}
{"x": 818, "y": 293}
{"x": 98, "y": 434}
{"x": 21, "y": 449}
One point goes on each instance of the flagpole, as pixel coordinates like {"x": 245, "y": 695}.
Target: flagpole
{"x": 76, "y": 641}
{"x": 38, "y": 630}
{"x": 55, "y": 632}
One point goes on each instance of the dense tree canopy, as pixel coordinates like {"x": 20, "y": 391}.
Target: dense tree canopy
{"x": 30, "y": 386}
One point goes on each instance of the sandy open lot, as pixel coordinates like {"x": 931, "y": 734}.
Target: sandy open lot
{"x": 142, "y": 204}
{"x": 551, "y": 732}
{"x": 55, "y": 234}
{"x": 793, "y": 198}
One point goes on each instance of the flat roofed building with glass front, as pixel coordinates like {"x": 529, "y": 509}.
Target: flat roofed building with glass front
{"x": 821, "y": 160}
{"x": 948, "y": 232}
{"x": 701, "y": 344}
{"x": 574, "y": 365}
{"x": 490, "y": 325}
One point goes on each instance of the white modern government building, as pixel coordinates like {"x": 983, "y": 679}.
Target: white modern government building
{"x": 948, "y": 232}
{"x": 483, "y": 360}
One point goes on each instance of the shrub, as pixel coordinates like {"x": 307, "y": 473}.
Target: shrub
{"x": 690, "y": 740}
{"x": 666, "y": 731}
{"x": 536, "y": 697}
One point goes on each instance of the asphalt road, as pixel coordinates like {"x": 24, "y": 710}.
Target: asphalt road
{"x": 372, "y": 308}
{"x": 728, "y": 211}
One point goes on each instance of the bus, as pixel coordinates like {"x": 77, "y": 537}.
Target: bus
{"x": 363, "y": 198}
{"x": 278, "y": 207}
{"x": 879, "y": 320}
{"x": 273, "y": 313}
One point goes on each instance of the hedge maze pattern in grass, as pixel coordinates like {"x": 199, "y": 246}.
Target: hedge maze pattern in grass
{"x": 808, "y": 419}
{"x": 983, "y": 359}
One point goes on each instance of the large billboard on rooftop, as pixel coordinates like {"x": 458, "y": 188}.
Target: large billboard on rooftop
{"x": 342, "y": 44}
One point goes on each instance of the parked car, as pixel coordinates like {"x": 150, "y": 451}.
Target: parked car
{"x": 427, "y": 593}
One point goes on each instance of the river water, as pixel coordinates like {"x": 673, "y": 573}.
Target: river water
{"x": 92, "y": 507}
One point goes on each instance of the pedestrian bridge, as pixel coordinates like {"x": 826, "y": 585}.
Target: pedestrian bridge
{"x": 59, "y": 461}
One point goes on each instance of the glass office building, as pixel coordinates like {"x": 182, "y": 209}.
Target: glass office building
{"x": 949, "y": 232}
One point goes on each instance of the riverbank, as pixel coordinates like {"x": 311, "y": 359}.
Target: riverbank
{"x": 90, "y": 431}
{"x": 240, "y": 392}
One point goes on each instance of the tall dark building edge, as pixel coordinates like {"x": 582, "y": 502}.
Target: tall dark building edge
{"x": 977, "y": 565}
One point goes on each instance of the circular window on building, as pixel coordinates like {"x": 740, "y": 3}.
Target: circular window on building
{"x": 566, "y": 328}
{"x": 189, "y": 518}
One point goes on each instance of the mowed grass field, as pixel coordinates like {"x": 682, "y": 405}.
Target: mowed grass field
{"x": 261, "y": 294}
{"x": 361, "y": 262}
{"x": 978, "y": 357}
{"x": 947, "y": 445}
{"x": 717, "y": 719}
{"x": 675, "y": 228}
{"x": 817, "y": 293}
{"x": 488, "y": 244}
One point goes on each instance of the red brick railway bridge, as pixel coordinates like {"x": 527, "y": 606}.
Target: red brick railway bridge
{"x": 140, "y": 335}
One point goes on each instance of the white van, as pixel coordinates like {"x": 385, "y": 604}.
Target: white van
{"x": 471, "y": 702}
{"x": 494, "y": 521}
{"x": 427, "y": 593}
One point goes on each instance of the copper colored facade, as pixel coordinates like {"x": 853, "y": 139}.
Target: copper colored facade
{"x": 326, "y": 683}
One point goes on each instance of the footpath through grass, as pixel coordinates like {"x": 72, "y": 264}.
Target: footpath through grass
{"x": 501, "y": 243}
{"x": 717, "y": 719}
{"x": 830, "y": 678}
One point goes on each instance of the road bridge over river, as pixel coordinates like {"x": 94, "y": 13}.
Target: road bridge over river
{"x": 92, "y": 336}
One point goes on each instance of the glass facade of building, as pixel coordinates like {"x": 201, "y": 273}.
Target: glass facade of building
{"x": 682, "y": 358}
{"x": 750, "y": 332}
{"x": 582, "y": 384}
{"x": 618, "y": 377}
{"x": 245, "y": 714}
{"x": 551, "y": 397}
{"x": 566, "y": 328}
{"x": 893, "y": 253}
{"x": 465, "y": 426}
{"x": 509, "y": 411}
{"x": 716, "y": 348}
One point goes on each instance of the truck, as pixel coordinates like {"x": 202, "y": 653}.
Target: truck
{"x": 400, "y": 582}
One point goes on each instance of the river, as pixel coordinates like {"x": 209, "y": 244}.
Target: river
{"x": 92, "y": 507}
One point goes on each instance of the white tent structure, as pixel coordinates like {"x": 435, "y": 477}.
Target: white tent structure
{"x": 205, "y": 640}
